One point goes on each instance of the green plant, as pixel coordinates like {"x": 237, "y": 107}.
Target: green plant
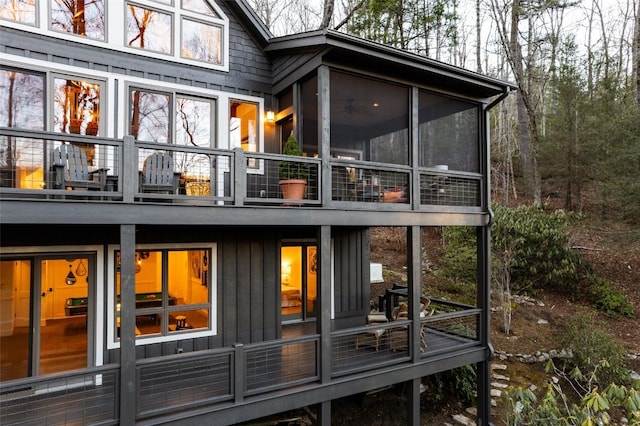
{"x": 555, "y": 408}
{"x": 593, "y": 351}
{"x": 459, "y": 383}
{"x": 291, "y": 169}
{"x": 537, "y": 253}
{"x": 610, "y": 300}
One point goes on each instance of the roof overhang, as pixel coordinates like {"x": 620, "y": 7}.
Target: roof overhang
{"x": 350, "y": 51}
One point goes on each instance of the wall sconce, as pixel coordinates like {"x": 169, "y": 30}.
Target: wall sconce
{"x": 270, "y": 116}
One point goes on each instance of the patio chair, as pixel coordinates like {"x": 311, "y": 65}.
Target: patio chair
{"x": 157, "y": 175}
{"x": 398, "y": 336}
{"x": 71, "y": 170}
{"x": 374, "y": 337}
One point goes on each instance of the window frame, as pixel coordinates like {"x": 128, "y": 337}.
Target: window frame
{"x": 113, "y": 341}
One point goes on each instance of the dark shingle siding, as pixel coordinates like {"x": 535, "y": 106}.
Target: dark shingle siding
{"x": 249, "y": 67}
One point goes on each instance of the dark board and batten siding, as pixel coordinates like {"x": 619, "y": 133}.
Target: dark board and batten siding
{"x": 352, "y": 286}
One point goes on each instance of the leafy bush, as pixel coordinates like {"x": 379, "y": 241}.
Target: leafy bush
{"x": 593, "y": 351}
{"x": 610, "y": 300}
{"x": 460, "y": 259}
{"x": 535, "y": 244}
{"x": 459, "y": 384}
{"x": 554, "y": 408}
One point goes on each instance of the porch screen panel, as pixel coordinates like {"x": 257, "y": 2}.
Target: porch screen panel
{"x": 370, "y": 117}
{"x": 448, "y": 133}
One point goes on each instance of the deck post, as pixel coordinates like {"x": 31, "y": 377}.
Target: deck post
{"x": 413, "y": 402}
{"x": 128, "y": 385}
{"x": 414, "y": 252}
{"x": 324, "y": 414}
{"x": 324, "y": 323}
{"x": 483, "y": 236}
{"x": 239, "y": 373}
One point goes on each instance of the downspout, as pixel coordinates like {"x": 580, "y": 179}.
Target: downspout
{"x": 484, "y": 276}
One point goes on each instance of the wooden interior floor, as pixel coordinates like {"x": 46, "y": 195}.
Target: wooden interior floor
{"x": 63, "y": 347}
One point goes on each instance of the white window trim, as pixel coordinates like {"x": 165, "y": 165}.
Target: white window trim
{"x": 117, "y": 87}
{"x": 115, "y": 30}
{"x": 99, "y": 284}
{"x": 113, "y": 343}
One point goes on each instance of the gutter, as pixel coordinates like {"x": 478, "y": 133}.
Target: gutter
{"x": 500, "y": 98}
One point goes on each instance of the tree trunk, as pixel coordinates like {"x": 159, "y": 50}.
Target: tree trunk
{"x": 636, "y": 54}
{"x": 478, "y": 38}
{"x": 327, "y": 14}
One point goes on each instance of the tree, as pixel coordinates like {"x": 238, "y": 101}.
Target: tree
{"x": 327, "y": 13}
{"x": 636, "y": 54}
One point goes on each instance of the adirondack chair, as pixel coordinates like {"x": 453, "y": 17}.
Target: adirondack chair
{"x": 70, "y": 170}
{"x": 157, "y": 175}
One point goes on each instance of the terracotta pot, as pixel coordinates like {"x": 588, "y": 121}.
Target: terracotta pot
{"x": 293, "y": 189}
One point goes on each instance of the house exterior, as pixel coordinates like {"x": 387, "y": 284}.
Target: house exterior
{"x": 151, "y": 271}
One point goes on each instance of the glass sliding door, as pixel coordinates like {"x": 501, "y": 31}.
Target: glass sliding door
{"x": 46, "y": 307}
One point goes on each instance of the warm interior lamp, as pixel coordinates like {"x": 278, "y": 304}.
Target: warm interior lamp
{"x": 270, "y": 116}
{"x": 286, "y": 272}
{"x": 138, "y": 266}
{"x": 70, "y": 279}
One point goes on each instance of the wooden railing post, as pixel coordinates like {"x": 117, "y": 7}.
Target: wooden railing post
{"x": 238, "y": 373}
{"x": 129, "y": 178}
{"x": 239, "y": 176}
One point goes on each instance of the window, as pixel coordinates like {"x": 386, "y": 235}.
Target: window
{"x": 243, "y": 122}
{"x": 76, "y": 106}
{"x": 174, "y": 292}
{"x": 22, "y": 99}
{"x": 23, "y": 11}
{"x": 148, "y": 29}
{"x": 154, "y": 115}
{"x": 187, "y": 31}
{"x": 81, "y": 17}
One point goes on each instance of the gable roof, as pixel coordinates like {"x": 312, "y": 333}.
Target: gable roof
{"x": 338, "y": 47}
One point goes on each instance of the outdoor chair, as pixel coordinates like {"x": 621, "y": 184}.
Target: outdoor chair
{"x": 373, "y": 337}
{"x": 157, "y": 175}
{"x": 71, "y": 170}
{"x": 398, "y": 336}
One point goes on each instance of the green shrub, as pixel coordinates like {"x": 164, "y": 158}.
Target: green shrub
{"x": 593, "y": 351}
{"x": 535, "y": 245}
{"x": 460, "y": 258}
{"x": 459, "y": 384}
{"x": 610, "y": 300}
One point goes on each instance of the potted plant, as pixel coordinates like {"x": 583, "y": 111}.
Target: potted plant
{"x": 293, "y": 175}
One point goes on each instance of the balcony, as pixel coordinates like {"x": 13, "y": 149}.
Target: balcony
{"x": 221, "y": 378}
{"x": 220, "y": 177}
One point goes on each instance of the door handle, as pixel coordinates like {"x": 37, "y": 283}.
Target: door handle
{"x": 43, "y": 294}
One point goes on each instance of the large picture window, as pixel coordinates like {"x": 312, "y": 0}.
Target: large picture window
{"x": 174, "y": 290}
